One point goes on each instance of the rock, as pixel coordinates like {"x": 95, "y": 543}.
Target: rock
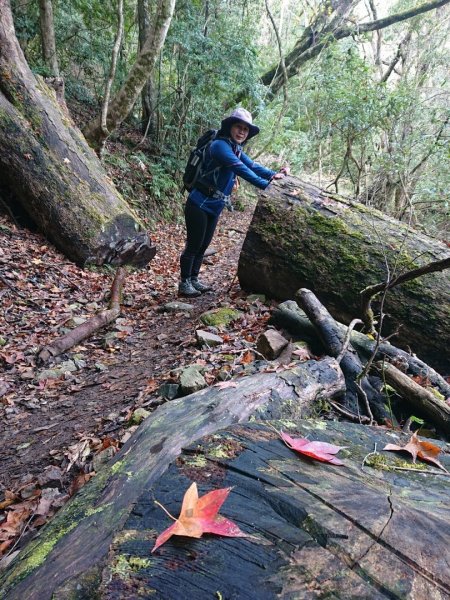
{"x": 205, "y": 338}
{"x": 138, "y": 416}
{"x": 191, "y": 380}
{"x": 67, "y": 366}
{"x": 27, "y": 374}
{"x": 270, "y": 344}
{"x": 168, "y": 390}
{"x": 49, "y": 374}
{"x": 103, "y": 457}
{"x": 176, "y": 307}
{"x": 110, "y": 339}
{"x": 100, "y": 366}
{"x": 220, "y": 317}
{"x": 3, "y": 341}
{"x": 75, "y": 321}
{"x": 50, "y": 477}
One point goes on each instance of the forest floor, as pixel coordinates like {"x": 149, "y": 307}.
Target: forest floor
{"x": 57, "y": 427}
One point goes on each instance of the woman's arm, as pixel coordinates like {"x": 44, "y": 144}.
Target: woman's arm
{"x": 223, "y": 154}
{"x": 257, "y": 168}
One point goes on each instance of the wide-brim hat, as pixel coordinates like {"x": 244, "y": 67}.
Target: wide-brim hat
{"x": 240, "y": 115}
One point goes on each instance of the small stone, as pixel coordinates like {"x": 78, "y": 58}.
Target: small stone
{"x": 27, "y": 374}
{"x": 192, "y": 380}
{"x": 270, "y": 344}
{"x": 3, "y": 341}
{"x": 51, "y": 476}
{"x": 168, "y": 390}
{"x": 75, "y": 321}
{"x": 100, "y": 366}
{"x": 68, "y": 366}
{"x": 139, "y": 415}
{"x": 110, "y": 339}
{"x": 205, "y": 338}
{"x": 103, "y": 457}
{"x": 176, "y": 307}
{"x": 49, "y": 374}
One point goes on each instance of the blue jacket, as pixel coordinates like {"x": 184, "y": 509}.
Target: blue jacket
{"x": 226, "y": 160}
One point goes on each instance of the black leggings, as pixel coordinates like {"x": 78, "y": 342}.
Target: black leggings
{"x": 200, "y": 227}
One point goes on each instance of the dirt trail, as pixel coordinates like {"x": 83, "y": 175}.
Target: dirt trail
{"x": 40, "y": 420}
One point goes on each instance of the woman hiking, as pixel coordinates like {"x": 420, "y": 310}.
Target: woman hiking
{"x": 224, "y": 161}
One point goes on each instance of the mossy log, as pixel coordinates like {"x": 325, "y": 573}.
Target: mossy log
{"x": 47, "y": 167}
{"x": 301, "y": 236}
{"x": 67, "y": 557}
{"x": 289, "y": 316}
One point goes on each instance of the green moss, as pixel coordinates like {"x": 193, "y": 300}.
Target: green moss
{"x": 199, "y": 461}
{"x": 383, "y": 463}
{"x": 125, "y": 566}
{"x": 219, "y": 317}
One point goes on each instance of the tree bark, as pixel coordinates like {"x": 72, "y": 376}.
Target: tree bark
{"x": 149, "y": 91}
{"x": 70, "y": 553}
{"x": 122, "y": 104}
{"x": 301, "y": 236}
{"x": 48, "y": 36}
{"x": 49, "y": 169}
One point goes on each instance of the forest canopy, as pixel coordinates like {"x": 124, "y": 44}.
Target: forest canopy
{"x": 352, "y": 94}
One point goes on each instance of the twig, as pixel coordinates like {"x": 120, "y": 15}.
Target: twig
{"x": 351, "y": 327}
{"x": 347, "y": 413}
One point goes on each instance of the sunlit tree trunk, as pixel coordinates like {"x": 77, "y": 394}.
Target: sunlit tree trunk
{"x": 48, "y": 37}
{"x": 122, "y": 104}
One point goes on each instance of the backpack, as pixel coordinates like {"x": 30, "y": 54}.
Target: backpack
{"x": 193, "y": 171}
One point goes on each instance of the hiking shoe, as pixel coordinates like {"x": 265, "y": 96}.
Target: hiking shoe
{"x": 185, "y": 288}
{"x": 201, "y": 287}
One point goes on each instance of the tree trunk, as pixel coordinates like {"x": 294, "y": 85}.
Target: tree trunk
{"x": 148, "y": 94}
{"x": 122, "y": 104}
{"x": 70, "y": 553}
{"x": 48, "y": 168}
{"x": 301, "y": 236}
{"x": 48, "y": 37}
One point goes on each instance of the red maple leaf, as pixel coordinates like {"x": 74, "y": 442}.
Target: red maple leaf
{"x": 321, "y": 451}
{"x": 419, "y": 449}
{"x": 199, "y": 516}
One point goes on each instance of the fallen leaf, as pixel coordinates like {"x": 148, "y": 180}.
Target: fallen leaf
{"x": 321, "y": 451}
{"x": 419, "y": 449}
{"x": 199, "y": 516}
{"x": 247, "y": 357}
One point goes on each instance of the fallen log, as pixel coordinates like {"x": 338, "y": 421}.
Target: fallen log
{"x": 316, "y": 530}
{"x": 363, "y": 395}
{"x": 301, "y": 236}
{"x": 86, "y": 329}
{"x": 68, "y": 555}
{"x": 289, "y": 316}
{"x": 48, "y": 168}
{"x": 436, "y": 409}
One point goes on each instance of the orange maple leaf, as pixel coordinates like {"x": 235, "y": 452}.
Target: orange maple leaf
{"x": 199, "y": 516}
{"x": 419, "y": 449}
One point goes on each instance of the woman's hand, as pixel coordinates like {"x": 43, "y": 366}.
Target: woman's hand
{"x": 281, "y": 173}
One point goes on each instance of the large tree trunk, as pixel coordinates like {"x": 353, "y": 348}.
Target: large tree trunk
{"x": 317, "y": 530}
{"x": 47, "y": 166}
{"x": 122, "y": 104}
{"x": 301, "y": 236}
{"x": 68, "y": 556}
